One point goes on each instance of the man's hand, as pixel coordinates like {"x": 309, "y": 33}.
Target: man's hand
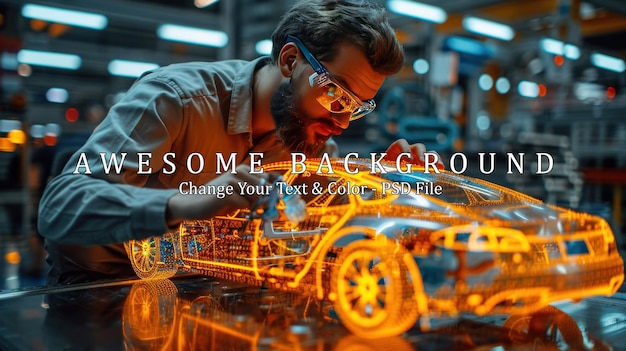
{"x": 193, "y": 206}
{"x": 417, "y": 152}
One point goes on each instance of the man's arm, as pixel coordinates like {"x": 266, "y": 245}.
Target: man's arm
{"x": 99, "y": 208}
{"x": 84, "y": 210}
{"x": 181, "y": 207}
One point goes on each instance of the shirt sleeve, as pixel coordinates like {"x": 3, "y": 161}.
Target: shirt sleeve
{"x": 89, "y": 204}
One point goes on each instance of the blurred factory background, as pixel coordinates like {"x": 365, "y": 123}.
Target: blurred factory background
{"x": 480, "y": 76}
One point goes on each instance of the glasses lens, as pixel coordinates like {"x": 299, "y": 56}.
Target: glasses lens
{"x": 364, "y": 109}
{"x": 335, "y": 99}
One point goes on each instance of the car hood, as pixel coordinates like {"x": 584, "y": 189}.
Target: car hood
{"x": 482, "y": 203}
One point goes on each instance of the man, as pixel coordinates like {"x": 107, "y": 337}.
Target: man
{"x": 329, "y": 59}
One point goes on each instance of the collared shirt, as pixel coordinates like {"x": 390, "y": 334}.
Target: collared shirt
{"x": 190, "y": 110}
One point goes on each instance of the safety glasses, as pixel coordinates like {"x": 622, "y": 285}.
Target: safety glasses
{"x": 334, "y": 96}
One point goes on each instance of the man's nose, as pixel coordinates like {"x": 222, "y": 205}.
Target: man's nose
{"x": 342, "y": 120}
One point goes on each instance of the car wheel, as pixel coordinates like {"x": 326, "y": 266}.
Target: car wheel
{"x": 145, "y": 322}
{"x": 369, "y": 285}
{"x": 145, "y": 256}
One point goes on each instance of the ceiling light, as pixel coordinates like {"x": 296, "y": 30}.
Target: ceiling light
{"x": 58, "y": 95}
{"x": 503, "y": 85}
{"x": 552, "y": 46}
{"x": 557, "y": 47}
{"x": 263, "y": 47}
{"x": 132, "y": 69}
{"x": 485, "y": 82}
{"x": 49, "y": 59}
{"x": 64, "y": 16}
{"x": 192, "y": 35}
{"x": 418, "y": 10}
{"x": 37, "y": 131}
{"x": 587, "y": 11}
{"x": 488, "y": 28}
{"x": 589, "y": 92}
{"x": 53, "y": 129}
{"x": 483, "y": 122}
{"x": 469, "y": 46}
{"x": 421, "y": 66}
{"x": 528, "y": 89}
{"x": 7, "y": 125}
{"x": 608, "y": 62}
{"x": 572, "y": 52}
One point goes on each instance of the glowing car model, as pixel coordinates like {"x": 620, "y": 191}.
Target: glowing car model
{"x": 388, "y": 246}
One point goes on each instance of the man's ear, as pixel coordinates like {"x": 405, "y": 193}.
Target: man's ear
{"x": 287, "y": 59}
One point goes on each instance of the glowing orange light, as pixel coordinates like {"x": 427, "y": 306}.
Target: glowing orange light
{"x": 610, "y": 92}
{"x": 38, "y": 25}
{"x": 17, "y": 136}
{"x": 559, "y": 60}
{"x": 542, "y": 90}
{"x": 12, "y": 257}
{"x": 6, "y": 145}
{"x": 50, "y": 139}
{"x": 57, "y": 29}
{"x": 71, "y": 114}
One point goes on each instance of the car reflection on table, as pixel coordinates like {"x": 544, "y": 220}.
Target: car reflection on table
{"x": 388, "y": 254}
{"x": 157, "y": 316}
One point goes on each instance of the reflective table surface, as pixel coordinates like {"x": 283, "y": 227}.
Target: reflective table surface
{"x": 202, "y": 313}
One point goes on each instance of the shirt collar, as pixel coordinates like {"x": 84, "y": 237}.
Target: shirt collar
{"x": 240, "y": 114}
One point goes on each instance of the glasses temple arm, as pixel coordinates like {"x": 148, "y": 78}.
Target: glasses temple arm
{"x": 317, "y": 66}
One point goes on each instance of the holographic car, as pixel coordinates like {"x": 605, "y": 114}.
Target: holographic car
{"x": 389, "y": 247}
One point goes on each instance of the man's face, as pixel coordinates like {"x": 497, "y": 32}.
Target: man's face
{"x": 303, "y": 124}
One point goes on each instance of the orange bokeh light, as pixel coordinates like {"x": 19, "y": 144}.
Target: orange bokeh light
{"x": 12, "y": 257}
{"x": 559, "y": 60}
{"x": 50, "y": 139}
{"x": 17, "y": 136}
{"x": 542, "y": 90}
{"x": 610, "y": 92}
{"x": 6, "y": 145}
{"x": 71, "y": 114}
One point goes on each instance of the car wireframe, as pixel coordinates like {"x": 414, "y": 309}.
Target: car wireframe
{"x": 389, "y": 247}
{"x": 156, "y": 317}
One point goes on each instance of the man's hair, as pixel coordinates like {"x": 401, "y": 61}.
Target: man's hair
{"x": 322, "y": 25}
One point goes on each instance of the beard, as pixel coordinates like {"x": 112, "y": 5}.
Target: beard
{"x": 291, "y": 125}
